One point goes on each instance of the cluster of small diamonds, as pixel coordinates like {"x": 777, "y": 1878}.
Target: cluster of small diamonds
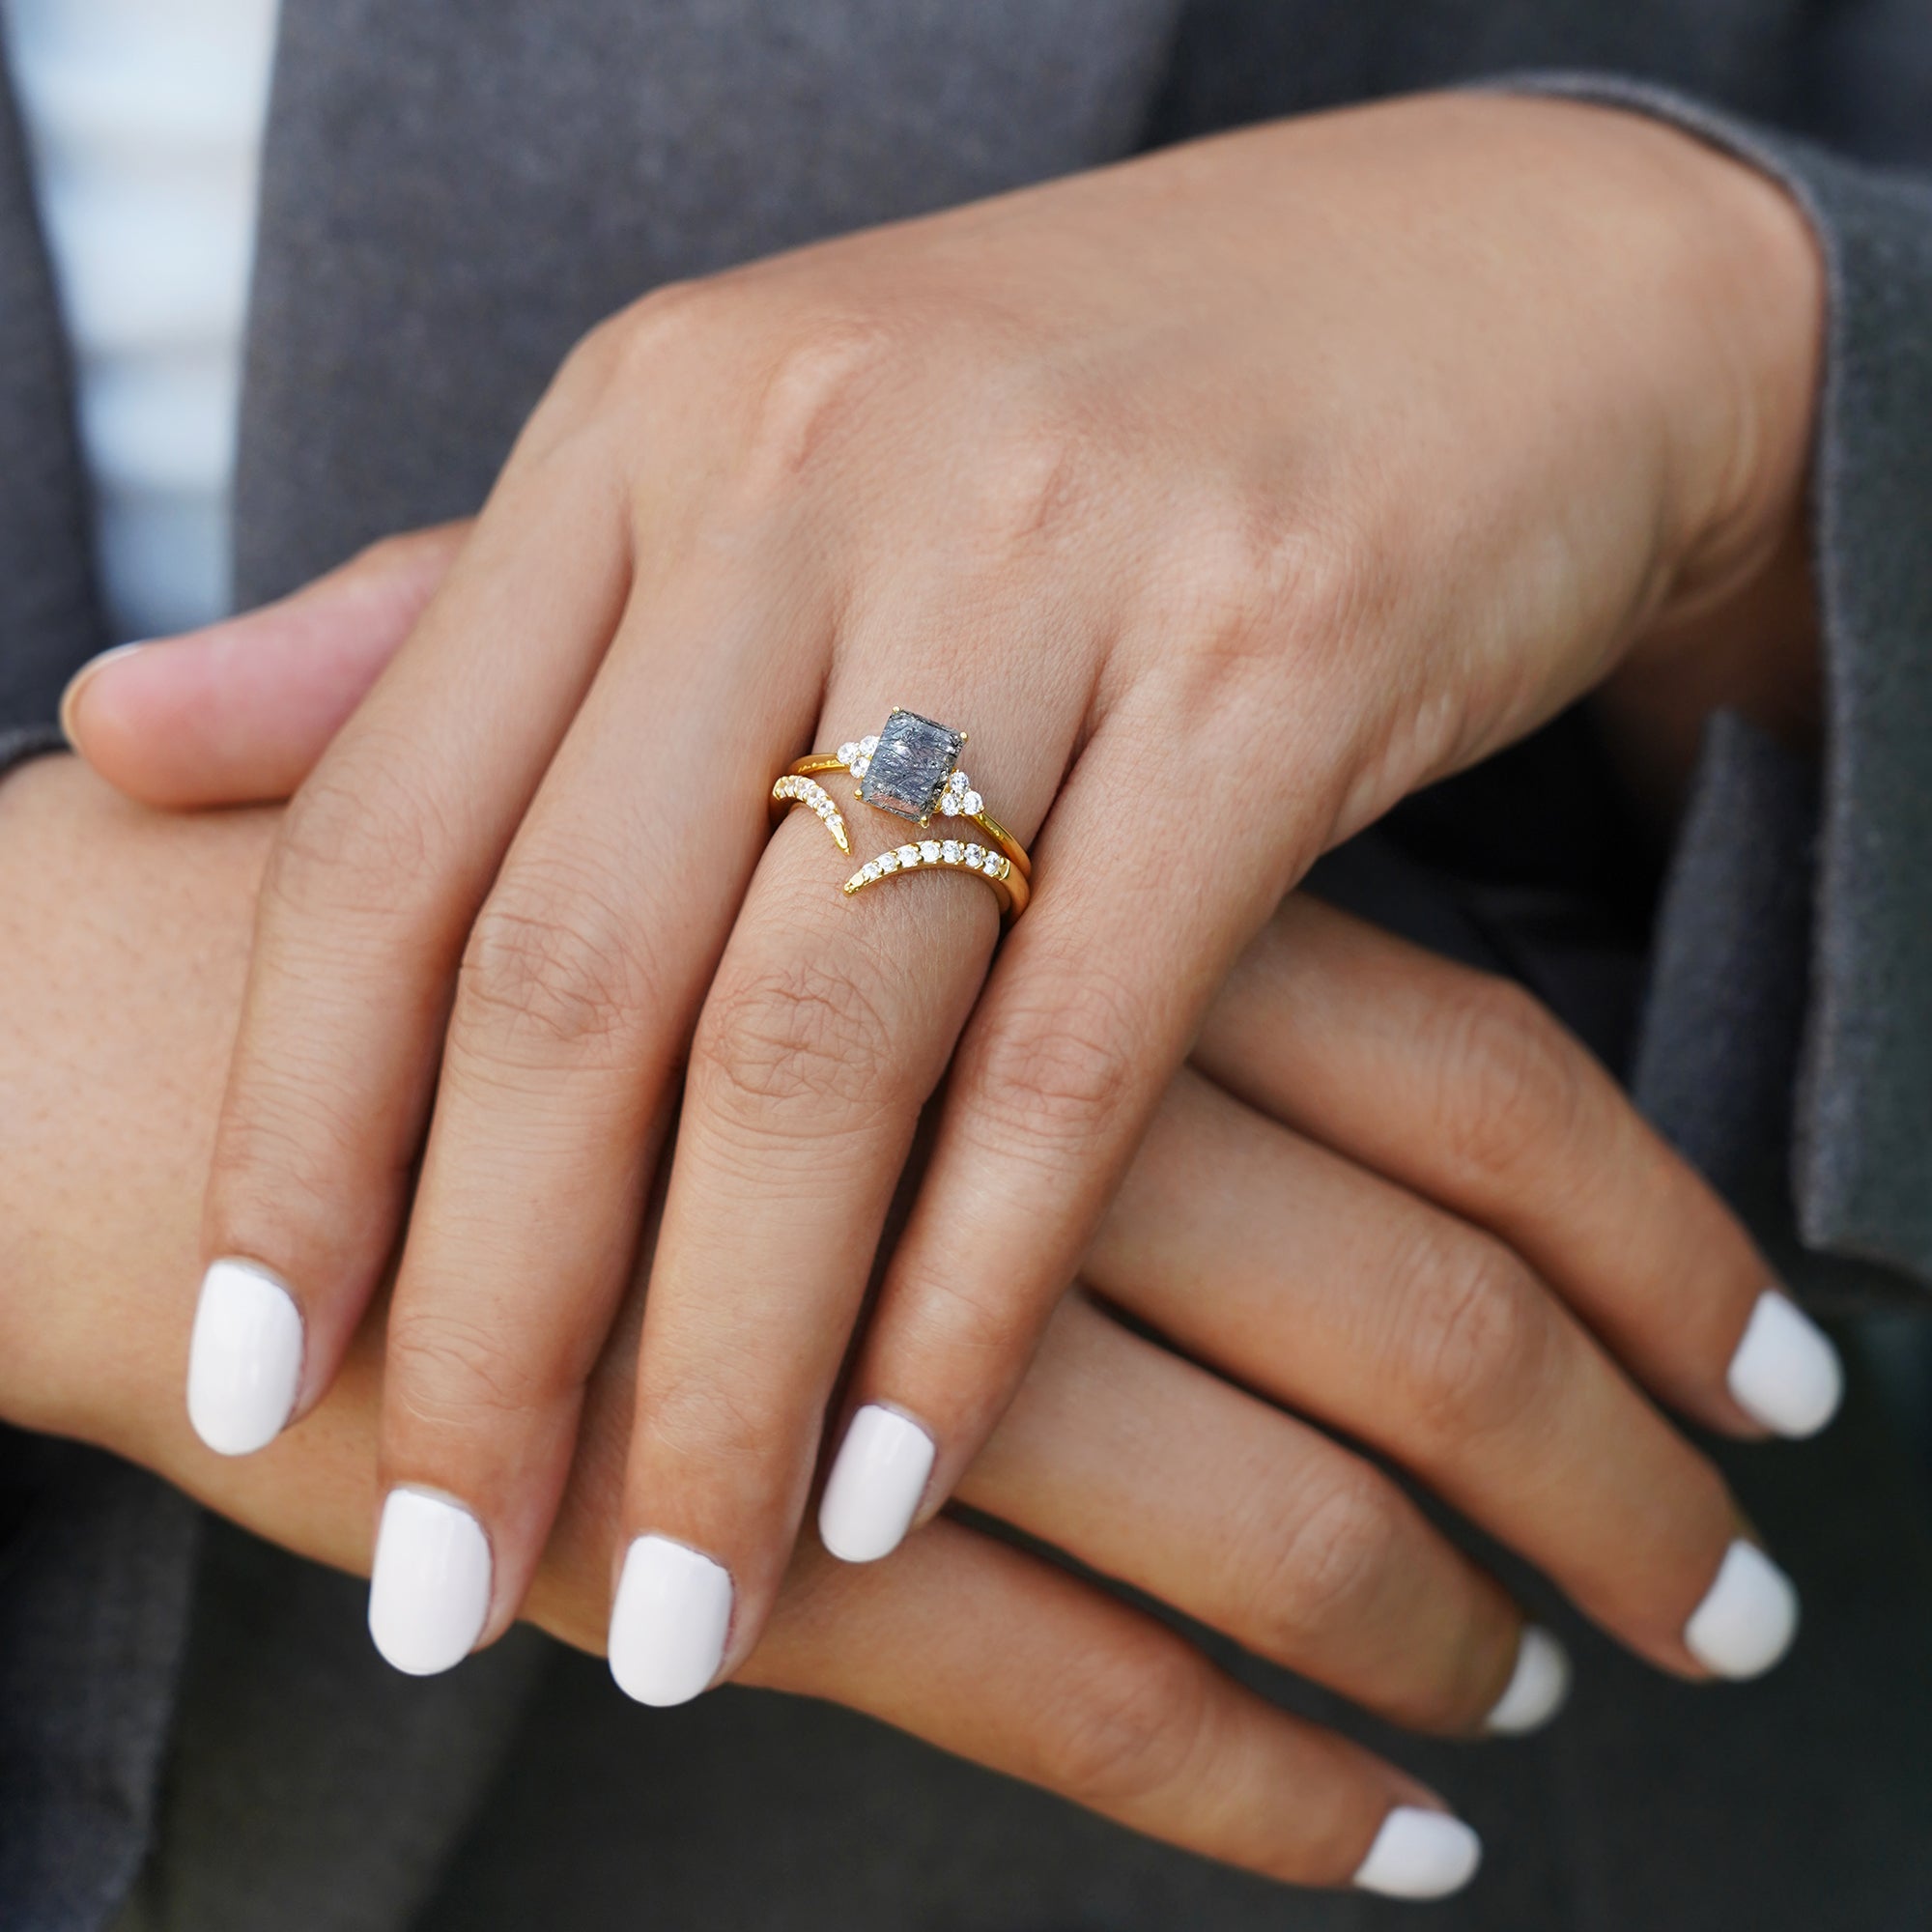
{"x": 808, "y": 792}
{"x": 957, "y": 801}
{"x": 931, "y": 852}
{"x": 857, "y": 758}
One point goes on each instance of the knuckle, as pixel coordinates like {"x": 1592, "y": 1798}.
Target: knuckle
{"x": 637, "y": 344}
{"x": 973, "y": 1321}
{"x": 359, "y": 836}
{"x": 1254, "y": 569}
{"x": 1479, "y": 1345}
{"x": 1056, "y": 1077}
{"x": 1128, "y": 1726}
{"x": 1318, "y": 1577}
{"x": 553, "y": 963}
{"x": 453, "y": 1375}
{"x": 1510, "y": 1086}
{"x": 731, "y": 1436}
{"x": 818, "y": 380}
{"x": 290, "y": 1145}
{"x": 792, "y": 1030}
{"x": 1038, "y": 477}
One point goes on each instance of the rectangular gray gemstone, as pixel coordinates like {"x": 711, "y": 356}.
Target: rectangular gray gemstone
{"x": 910, "y": 768}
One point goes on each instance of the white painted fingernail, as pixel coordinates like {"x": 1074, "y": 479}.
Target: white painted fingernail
{"x": 429, "y": 1592}
{"x": 1420, "y": 1854}
{"x": 668, "y": 1624}
{"x": 70, "y": 697}
{"x": 1748, "y": 1618}
{"x": 875, "y": 1485}
{"x": 1786, "y": 1371}
{"x": 245, "y": 1362}
{"x": 1538, "y": 1688}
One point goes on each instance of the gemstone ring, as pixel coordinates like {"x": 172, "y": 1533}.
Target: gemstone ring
{"x": 910, "y": 768}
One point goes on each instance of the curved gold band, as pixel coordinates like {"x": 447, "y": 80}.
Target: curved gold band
{"x": 798, "y": 787}
{"x": 1009, "y": 883}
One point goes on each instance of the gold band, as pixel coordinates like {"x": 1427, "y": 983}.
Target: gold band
{"x": 798, "y": 787}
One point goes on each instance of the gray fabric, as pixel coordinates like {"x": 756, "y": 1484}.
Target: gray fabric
{"x": 28, "y": 741}
{"x": 451, "y": 196}
{"x": 310, "y": 1786}
{"x": 1719, "y": 1060}
{"x": 49, "y": 615}
{"x": 96, "y": 1560}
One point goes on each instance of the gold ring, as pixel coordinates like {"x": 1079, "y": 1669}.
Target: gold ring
{"x": 910, "y": 768}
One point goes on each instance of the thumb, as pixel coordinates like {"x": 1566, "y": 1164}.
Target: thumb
{"x": 240, "y": 712}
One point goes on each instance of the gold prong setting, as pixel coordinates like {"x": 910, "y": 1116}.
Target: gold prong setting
{"x": 795, "y": 790}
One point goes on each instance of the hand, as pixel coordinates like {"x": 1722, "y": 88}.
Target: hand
{"x": 1226, "y": 496}
{"x": 1310, "y": 1264}
{"x": 123, "y": 941}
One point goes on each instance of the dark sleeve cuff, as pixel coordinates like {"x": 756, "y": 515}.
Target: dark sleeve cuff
{"x": 18, "y": 746}
{"x": 1787, "y": 1042}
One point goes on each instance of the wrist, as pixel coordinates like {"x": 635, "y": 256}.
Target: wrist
{"x": 1735, "y": 625}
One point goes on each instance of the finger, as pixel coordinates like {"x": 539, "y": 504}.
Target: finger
{"x": 575, "y": 1003}
{"x": 241, "y": 711}
{"x": 1465, "y": 1089}
{"x": 827, "y": 1029}
{"x": 1006, "y": 1661}
{"x": 1087, "y": 1013}
{"x": 379, "y": 868}
{"x": 1374, "y": 1311}
{"x": 1260, "y": 1526}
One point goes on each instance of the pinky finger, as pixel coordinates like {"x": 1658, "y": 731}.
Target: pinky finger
{"x": 1002, "y": 1659}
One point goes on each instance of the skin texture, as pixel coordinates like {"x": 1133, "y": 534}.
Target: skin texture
{"x": 123, "y": 941}
{"x": 1225, "y": 497}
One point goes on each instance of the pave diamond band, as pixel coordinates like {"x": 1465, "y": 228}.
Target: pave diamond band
{"x": 1009, "y": 883}
{"x": 794, "y": 788}
{"x": 911, "y": 768}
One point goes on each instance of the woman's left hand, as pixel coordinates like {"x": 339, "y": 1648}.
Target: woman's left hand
{"x": 1225, "y": 497}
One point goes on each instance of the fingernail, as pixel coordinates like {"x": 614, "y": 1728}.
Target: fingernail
{"x": 668, "y": 1624}
{"x": 1538, "y": 1688}
{"x": 428, "y": 1591}
{"x": 1786, "y": 1372}
{"x": 79, "y": 680}
{"x": 1420, "y": 1854}
{"x": 245, "y": 1362}
{"x": 1748, "y": 1619}
{"x": 875, "y": 1485}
